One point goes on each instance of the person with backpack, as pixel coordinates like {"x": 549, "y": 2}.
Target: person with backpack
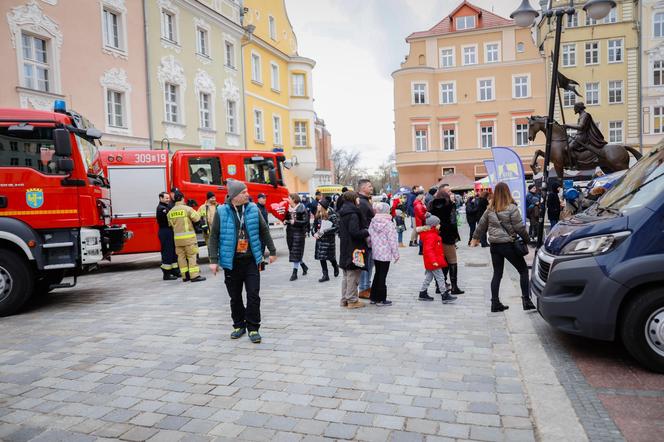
{"x": 472, "y": 209}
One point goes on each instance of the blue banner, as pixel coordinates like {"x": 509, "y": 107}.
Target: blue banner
{"x": 491, "y": 171}
{"x": 509, "y": 169}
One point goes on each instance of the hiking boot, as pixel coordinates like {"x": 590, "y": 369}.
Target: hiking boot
{"x": 365, "y": 294}
{"x": 293, "y": 277}
{"x": 356, "y": 304}
{"x": 527, "y": 304}
{"x": 238, "y": 332}
{"x": 384, "y": 303}
{"x": 255, "y": 337}
{"x": 199, "y": 278}
{"x": 305, "y": 269}
{"x": 324, "y": 278}
{"x": 447, "y": 298}
{"x": 424, "y": 296}
{"x": 498, "y": 307}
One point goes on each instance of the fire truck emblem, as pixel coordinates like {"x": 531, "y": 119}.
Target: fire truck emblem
{"x": 232, "y": 170}
{"x": 34, "y": 198}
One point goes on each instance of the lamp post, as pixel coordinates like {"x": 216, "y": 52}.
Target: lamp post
{"x": 525, "y": 16}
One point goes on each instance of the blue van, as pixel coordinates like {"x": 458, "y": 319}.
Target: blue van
{"x": 600, "y": 274}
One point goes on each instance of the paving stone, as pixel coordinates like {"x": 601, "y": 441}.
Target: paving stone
{"x": 393, "y": 422}
{"x": 172, "y": 422}
{"x": 139, "y": 434}
{"x": 340, "y": 431}
{"x": 486, "y": 433}
{"x": 25, "y": 433}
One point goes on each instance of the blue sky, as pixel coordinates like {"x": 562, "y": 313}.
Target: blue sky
{"x": 357, "y": 45}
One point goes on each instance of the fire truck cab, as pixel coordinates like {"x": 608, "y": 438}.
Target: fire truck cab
{"x": 55, "y": 208}
{"x": 138, "y": 176}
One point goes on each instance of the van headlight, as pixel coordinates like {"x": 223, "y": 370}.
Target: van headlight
{"x": 594, "y": 245}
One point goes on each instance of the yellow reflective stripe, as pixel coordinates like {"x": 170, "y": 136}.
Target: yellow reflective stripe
{"x": 166, "y": 266}
{"x": 194, "y": 269}
{"x": 174, "y": 265}
{"x": 185, "y": 235}
{"x": 38, "y": 212}
{"x": 184, "y": 269}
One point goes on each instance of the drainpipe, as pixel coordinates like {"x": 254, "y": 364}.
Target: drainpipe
{"x": 249, "y": 29}
{"x": 147, "y": 74}
{"x": 640, "y": 76}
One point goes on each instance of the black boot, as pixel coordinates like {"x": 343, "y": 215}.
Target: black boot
{"x": 305, "y": 269}
{"x": 437, "y": 288}
{"x": 425, "y": 297}
{"x": 336, "y": 268}
{"x": 168, "y": 276}
{"x": 497, "y": 306}
{"x": 453, "y": 279}
{"x": 293, "y": 277}
{"x": 176, "y": 273}
{"x": 446, "y": 271}
{"x": 325, "y": 277}
{"x": 527, "y": 304}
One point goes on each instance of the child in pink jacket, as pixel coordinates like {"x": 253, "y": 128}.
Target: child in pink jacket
{"x": 385, "y": 249}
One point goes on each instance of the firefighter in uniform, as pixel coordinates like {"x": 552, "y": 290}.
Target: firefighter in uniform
{"x": 207, "y": 211}
{"x": 182, "y": 218}
{"x": 169, "y": 262}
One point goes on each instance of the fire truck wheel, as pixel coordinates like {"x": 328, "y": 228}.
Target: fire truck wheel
{"x": 16, "y": 282}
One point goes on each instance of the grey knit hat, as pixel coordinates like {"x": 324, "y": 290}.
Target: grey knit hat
{"x": 432, "y": 220}
{"x": 234, "y": 188}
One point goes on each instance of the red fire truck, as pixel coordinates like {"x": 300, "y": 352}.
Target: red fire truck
{"x": 138, "y": 176}
{"x": 55, "y": 208}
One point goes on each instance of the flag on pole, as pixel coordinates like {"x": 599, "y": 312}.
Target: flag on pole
{"x": 491, "y": 171}
{"x": 509, "y": 169}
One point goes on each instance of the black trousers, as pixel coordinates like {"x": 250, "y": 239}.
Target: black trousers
{"x": 323, "y": 264}
{"x": 500, "y": 253}
{"x": 245, "y": 273}
{"x": 472, "y": 224}
{"x": 168, "y": 257}
{"x": 378, "y": 286}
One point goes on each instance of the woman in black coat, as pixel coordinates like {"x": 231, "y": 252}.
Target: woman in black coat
{"x": 326, "y": 247}
{"x": 351, "y": 238}
{"x": 297, "y": 224}
{"x": 444, "y": 207}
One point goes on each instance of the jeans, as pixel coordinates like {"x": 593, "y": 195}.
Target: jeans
{"x": 379, "y": 287}
{"x": 244, "y": 273}
{"x": 400, "y": 236}
{"x": 500, "y": 253}
{"x": 472, "y": 225}
{"x": 365, "y": 277}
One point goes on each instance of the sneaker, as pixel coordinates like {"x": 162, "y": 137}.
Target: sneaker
{"x": 356, "y": 304}
{"x": 373, "y": 303}
{"x": 255, "y": 337}
{"x": 447, "y": 298}
{"x": 384, "y": 303}
{"x": 424, "y": 297}
{"x": 238, "y": 332}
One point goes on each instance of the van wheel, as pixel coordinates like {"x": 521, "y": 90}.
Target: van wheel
{"x": 643, "y": 329}
{"x": 16, "y": 282}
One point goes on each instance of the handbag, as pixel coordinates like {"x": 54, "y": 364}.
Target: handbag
{"x": 358, "y": 259}
{"x": 520, "y": 247}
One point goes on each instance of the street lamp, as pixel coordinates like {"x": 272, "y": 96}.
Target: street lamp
{"x": 525, "y": 16}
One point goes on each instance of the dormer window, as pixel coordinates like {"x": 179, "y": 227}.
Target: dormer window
{"x": 467, "y": 22}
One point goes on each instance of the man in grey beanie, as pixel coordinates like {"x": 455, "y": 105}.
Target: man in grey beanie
{"x": 237, "y": 239}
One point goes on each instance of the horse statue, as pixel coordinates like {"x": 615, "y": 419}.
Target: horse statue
{"x": 610, "y": 158}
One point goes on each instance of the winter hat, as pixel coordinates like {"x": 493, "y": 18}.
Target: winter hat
{"x": 209, "y": 195}
{"x": 235, "y": 188}
{"x": 382, "y": 208}
{"x": 325, "y": 203}
{"x": 432, "y": 220}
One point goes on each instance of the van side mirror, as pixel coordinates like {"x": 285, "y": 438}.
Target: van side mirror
{"x": 62, "y": 142}
{"x": 273, "y": 177}
{"x": 65, "y": 165}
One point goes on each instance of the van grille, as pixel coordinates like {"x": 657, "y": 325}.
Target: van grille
{"x": 543, "y": 270}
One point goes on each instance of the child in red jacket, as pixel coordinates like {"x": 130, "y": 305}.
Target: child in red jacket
{"x": 434, "y": 259}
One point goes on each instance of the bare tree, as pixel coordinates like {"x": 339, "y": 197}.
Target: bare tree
{"x": 346, "y": 166}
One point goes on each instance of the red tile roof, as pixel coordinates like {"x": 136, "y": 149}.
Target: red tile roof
{"x": 488, "y": 20}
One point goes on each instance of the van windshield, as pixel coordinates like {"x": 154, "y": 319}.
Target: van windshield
{"x": 639, "y": 186}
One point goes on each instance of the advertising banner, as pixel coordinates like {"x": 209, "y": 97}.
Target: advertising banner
{"x": 491, "y": 170}
{"x": 509, "y": 169}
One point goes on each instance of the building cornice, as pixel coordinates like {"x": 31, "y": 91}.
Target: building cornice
{"x": 197, "y": 7}
{"x": 278, "y": 52}
{"x": 461, "y": 33}
{"x": 475, "y": 67}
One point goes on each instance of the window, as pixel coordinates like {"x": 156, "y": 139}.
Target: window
{"x": 449, "y": 171}
{"x": 299, "y": 88}
{"x": 202, "y": 45}
{"x": 205, "y": 110}
{"x": 447, "y": 95}
{"x": 615, "y": 91}
{"x": 256, "y": 68}
{"x": 168, "y": 27}
{"x": 590, "y": 21}
{"x": 419, "y": 93}
{"x": 301, "y": 134}
{"x": 521, "y": 133}
{"x": 112, "y": 29}
{"x": 592, "y": 52}
{"x": 569, "y": 98}
{"x": 569, "y": 55}
{"x": 469, "y": 55}
{"x": 115, "y": 108}
{"x": 612, "y": 17}
{"x": 592, "y": 93}
{"x": 658, "y": 73}
{"x": 520, "y": 47}
{"x": 258, "y": 171}
{"x": 465, "y": 22}
{"x": 658, "y": 25}
{"x": 258, "y": 125}
{"x": 486, "y": 89}
{"x": 274, "y": 77}
{"x": 447, "y": 58}
{"x": 421, "y": 144}
{"x": 658, "y": 123}
{"x": 449, "y": 138}
{"x": 276, "y": 124}
{"x": 492, "y": 53}
{"x": 573, "y": 20}
{"x": 230, "y": 54}
{"x": 521, "y": 86}
{"x": 35, "y": 149}
{"x": 36, "y": 70}
{"x": 171, "y": 98}
{"x": 231, "y": 116}
{"x": 205, "y": 170}
{"x": 486, "y": 135}
{"x": 615, "y": 131}
{"x": 616, "y": 51}
{"x": 273, "y": 27}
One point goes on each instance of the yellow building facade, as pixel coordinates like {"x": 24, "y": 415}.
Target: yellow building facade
{"x": 603, "y": 57}
{"x": 279, "y": 111}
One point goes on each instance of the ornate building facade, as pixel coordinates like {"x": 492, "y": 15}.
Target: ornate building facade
{"x": 652, "y": 72}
